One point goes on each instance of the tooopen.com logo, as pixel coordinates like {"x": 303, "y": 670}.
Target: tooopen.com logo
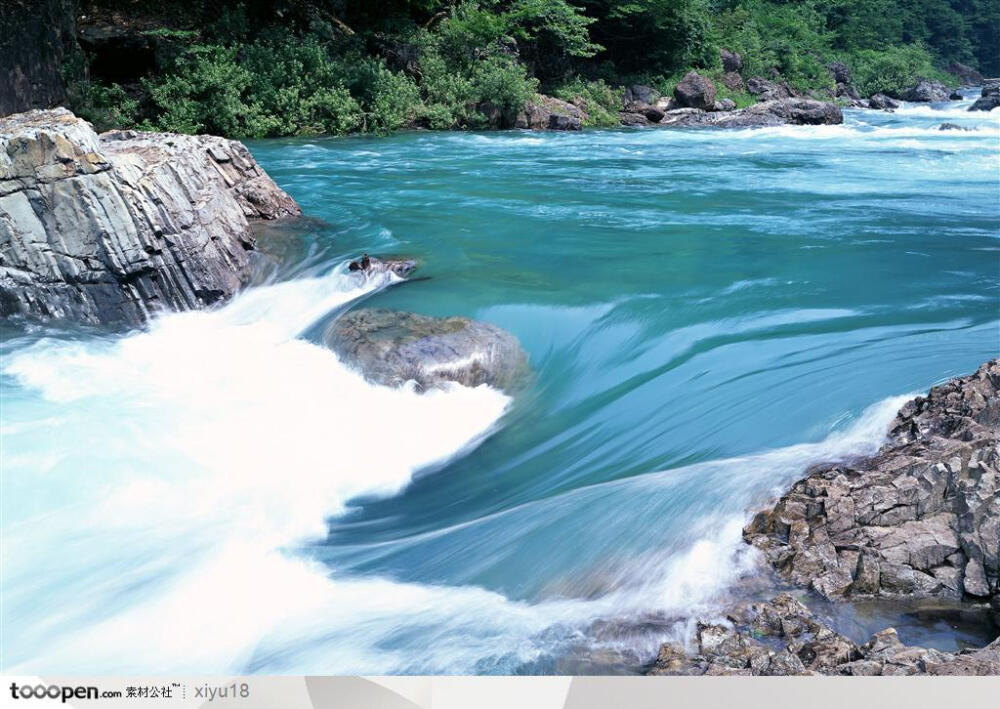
{"x": 56, "y": 691}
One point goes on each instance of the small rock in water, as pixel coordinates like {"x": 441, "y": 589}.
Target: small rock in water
{"x": 952, "y": 126}
{"x": 368, "y": 265}
{"x": 392, "y": 347}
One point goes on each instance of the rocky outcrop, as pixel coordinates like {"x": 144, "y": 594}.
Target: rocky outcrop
{"x": 767, "y": 90}
{"x": 989, "y": 97}
{"x": 695, "y": 91}
{"x": 391, "y": 347}
{"x": 639, "y": 95}
{"x": 109, "y": 229}
{"x": 966, "y": 74}
{"x": 919, "y": 519}
{"x": 882, "y": 102}
{"x": 925, "y": 91}
{"x": 783, "y": 637}
{"x": 547, "y": 113}
{"x": 797, "y": 111}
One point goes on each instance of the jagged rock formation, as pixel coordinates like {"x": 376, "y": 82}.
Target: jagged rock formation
{"x": 919, "y": 519}
{"x": 792, "y": 111}
{"x": 109, "y": 229}
{"x": 391, "y": 347}
{"x": 989, "y": 97}
{"x": 783, "y": 637}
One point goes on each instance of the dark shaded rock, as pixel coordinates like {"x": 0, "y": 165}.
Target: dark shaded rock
{"x": 631, "y": 118}
{"x": 110, "y": 229}
{"x": 955, "y": 96}
{"x": 847, "y": 91}
{"x": 639, "y": 94}
{"x": 989, "y": 97}
{"x": 732, "y": 62}
{"x": 925, "y": 91}
{"x": 391, "y": 347}
{"x": 966, "y": 74}
{"x": 767, "y": 90}
{"x": 952, "y": 126}
{"x": 796, "y": 111}
{"x": 921, "y": 518}
{"x": 882, "y": 102}
{"x": 840, "y": 71}
{"x": 695, "y": 91}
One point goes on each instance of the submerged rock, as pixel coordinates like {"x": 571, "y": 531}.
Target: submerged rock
{"x": 796, "y": 111}
{"x": 783, "y": 637}
{"x": 921, "y": 518}
{"x": 109, "y": 229}
{"x": 391, "y": 347}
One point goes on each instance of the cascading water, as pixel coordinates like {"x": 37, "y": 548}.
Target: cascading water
{"x": 706, "y": 314}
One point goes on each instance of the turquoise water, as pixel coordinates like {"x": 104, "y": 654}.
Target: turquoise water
{"x": 706, "y": 313}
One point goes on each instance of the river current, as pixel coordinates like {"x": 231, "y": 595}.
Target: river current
{"x": 706, "y": 314}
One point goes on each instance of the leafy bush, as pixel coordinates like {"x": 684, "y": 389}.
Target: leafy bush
{"x": 892, "y": 70}
{"x": 105, "y": 106}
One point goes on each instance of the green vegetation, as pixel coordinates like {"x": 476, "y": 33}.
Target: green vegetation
{"x": 255, "y": 68}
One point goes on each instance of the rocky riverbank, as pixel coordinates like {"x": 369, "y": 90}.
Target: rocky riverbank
{"x": 108, "y": 229}
{"x": 920, "y": 519}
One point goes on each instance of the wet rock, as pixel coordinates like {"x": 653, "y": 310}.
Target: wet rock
{"x": 784, "y": 637}
{"x": 882, "y": 102}
{"x": 955, "y": 96}
{"x": 110, "y": 229}
{"x": 797, "y": 111}
{"x": 921, "y": 518}
{"x": 695, "y": 91}
{"x": 550, "y": 113}
{"x": 989, "y": 98}
{"x": 925, "y": 91}
{"x": 732, "y": 62}
{"x": 391, "y": 347}
{"x": 952, "y": 126}
{"x": 372, "y": 266}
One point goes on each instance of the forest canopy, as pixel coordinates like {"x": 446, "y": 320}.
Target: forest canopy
{"x": 255, "y": 68}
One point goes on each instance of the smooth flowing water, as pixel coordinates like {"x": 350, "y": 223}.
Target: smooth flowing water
{"x": 706, "y": 313}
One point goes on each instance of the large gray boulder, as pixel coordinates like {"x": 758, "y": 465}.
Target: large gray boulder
{"x": 392, "y": 347}
{"x": 110, "y": 229}
{"x": 919, "y": 519}
{"x": 695, "y": 91}
{"x": 882, "y": 102}
{"x": 549, "y": 113}
{"x": 926, "y": 91}
{"x": 792, "y": 111}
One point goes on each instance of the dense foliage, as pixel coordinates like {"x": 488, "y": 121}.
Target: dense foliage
{"x": 286, "y": 67}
